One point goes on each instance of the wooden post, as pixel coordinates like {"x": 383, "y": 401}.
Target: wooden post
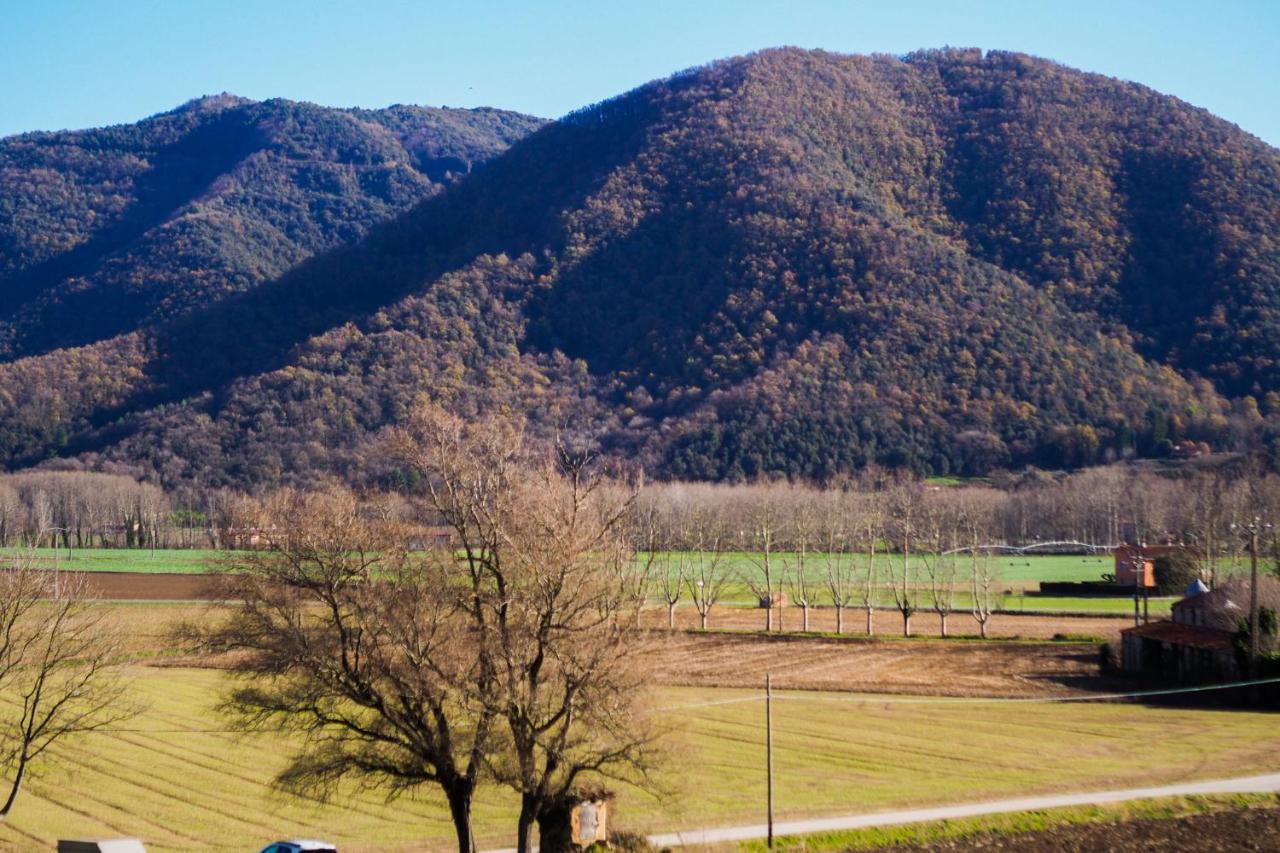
{"x": 768, "y": 741}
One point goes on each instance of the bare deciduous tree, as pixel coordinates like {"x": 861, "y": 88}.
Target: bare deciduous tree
{"x": 556, "y": 615}
{"x": 906, "y": 596}
{"x": 59, "y": 667}
{"x": 796, "y": 569}
{"x": 837, "y": 559}
{"x": 870, "y": 529}
{"x": 667, "y": 552}
{"x": 939, "y": 558}
{"x": 362, "y": 647}
{"x": 761, "y": 547}
{"x": 706, "y": 579}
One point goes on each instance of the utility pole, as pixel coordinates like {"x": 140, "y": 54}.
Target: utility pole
{"x": 1137, "y": 565}
{"x": 768, "y": 746}
{"x": 1253, "y": 599}
{"x": 1252, "y": 528}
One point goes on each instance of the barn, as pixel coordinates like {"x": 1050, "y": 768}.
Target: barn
{"x": 1194, "y": 647}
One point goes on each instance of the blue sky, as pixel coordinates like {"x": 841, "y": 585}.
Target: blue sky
{"x": 80, "y": 63}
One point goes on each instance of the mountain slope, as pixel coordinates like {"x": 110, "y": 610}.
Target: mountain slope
{"x": 102, "y": 231}
{"x": 790, "y": 263}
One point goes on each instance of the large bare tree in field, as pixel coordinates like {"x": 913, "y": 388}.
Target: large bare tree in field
{"x": 59, "y": 667}
{"x": 556, "y": 610}
{"x": 365, "y": 649}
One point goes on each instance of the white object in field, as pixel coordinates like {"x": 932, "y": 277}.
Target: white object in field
{"x": 101, "y": 845}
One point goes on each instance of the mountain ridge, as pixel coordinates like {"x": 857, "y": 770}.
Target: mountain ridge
{"x": 792, "y": 263}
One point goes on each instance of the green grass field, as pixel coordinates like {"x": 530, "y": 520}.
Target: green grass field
{"x": 1035, "y": 568}
{"x": 177, "y": 779}
{"x": 1012, "y": 569}
{"x": 1017, "y": 574}
{"x": 192, "y": 561}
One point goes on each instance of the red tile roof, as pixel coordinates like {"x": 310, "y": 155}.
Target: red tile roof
{"x": 1196, "y": 636}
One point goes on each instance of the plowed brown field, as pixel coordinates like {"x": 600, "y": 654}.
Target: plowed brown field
{"x": 926, "y": 668}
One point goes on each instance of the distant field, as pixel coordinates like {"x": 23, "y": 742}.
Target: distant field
{"x": 1051, "y": 567}
{"x": 1012, "y": 569}
{"x": 1040, "y": 567}
{"x": 124, "y": 559}
{"x": 179, "y": 781}
{"x": 1016, "y": 575}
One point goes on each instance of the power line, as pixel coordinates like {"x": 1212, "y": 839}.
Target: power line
{"x": 864, "y": 698}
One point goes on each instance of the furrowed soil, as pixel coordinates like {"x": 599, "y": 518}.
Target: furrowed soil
{"x": 137, "y": 586}
{"x": 1236, "y": 830}
{"x": 693, "y": 659}
{"x": 685, "y": 658}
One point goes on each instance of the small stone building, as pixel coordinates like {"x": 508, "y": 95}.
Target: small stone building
{"x": 1194, "y": 647}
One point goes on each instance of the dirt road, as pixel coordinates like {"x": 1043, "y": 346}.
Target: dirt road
{"x": 1249, "y": 784}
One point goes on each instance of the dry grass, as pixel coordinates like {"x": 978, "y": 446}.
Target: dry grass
{"x": 180, "y": 781}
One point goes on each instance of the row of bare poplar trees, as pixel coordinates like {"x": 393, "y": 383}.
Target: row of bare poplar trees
{"x": 1095, "y": 505}
{"x": 83, "y": 510}
{"x": 883, "y": 540}
{"x": 916, "y": 545}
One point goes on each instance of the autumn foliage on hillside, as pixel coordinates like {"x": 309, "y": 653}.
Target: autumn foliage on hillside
{"x": 792, "y": 263}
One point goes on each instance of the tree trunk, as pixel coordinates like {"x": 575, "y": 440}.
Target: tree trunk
{"x": 805, "y": 618}
{"x": 839, "y": 619}
{"x": 702, "y": 614}
{"x": 524, "y": 824}
{"x": 13, "y": 791}
{"x": 871, "y": 623}
{"x": 459, "y": 797}
{"x": 943, "y": 617}
{"x": 671, "y": 615}
{"x": 555, "y": 832}
{"x": 906, "y": 624}
{"x": 768, "y": 613}
{"x": 982, "y": 629}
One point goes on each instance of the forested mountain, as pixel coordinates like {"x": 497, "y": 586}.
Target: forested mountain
{"x": 102, "y": 231}
{"x": 789, "y": 263}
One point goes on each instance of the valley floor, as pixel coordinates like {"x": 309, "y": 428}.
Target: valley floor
{"x": 858, "y": 726}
